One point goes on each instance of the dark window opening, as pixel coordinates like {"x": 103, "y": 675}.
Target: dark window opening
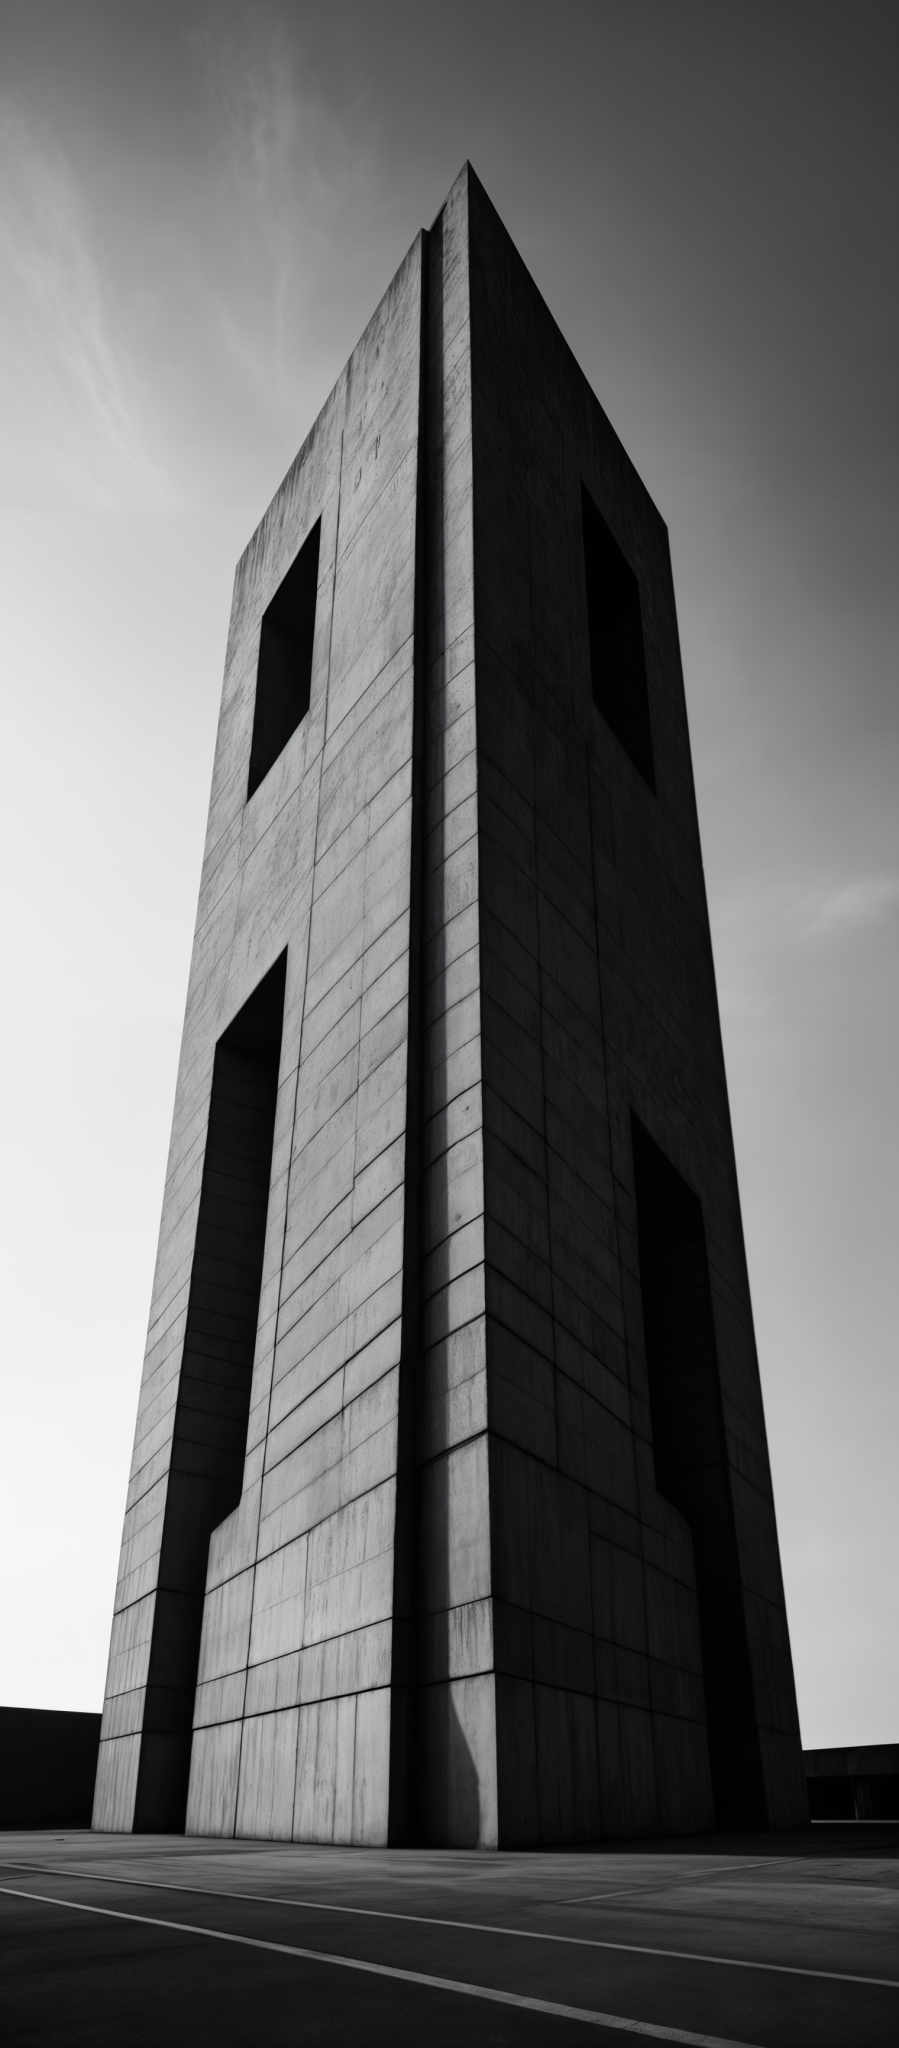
{"x": 615, "y": 627}
{"x": 213, "y": 1404}
{"x": 284, "y": 675}
{"x": 691, "y": 1465}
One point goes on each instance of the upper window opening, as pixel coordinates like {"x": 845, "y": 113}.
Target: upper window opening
{"x": 284, "y": 675}
{"x": 617, "y": 665}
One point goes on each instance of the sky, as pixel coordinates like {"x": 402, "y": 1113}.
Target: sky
{"x": 200, "y": 205}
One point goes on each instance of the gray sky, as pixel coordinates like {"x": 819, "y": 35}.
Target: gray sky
{"x": 199, "y": 207}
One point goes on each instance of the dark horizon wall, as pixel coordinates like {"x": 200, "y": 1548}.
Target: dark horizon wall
{"x": 48, "y": 1764}
{"x": 503, "y": 1567}
{"x": 853, "y": 1784}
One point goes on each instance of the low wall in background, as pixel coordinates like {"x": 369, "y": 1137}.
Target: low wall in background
{"x": 48, "y": 1762}
{"x": 853, "y": 1784}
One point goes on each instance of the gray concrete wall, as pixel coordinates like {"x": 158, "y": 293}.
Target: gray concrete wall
{"x": 598, "y": 1001}
{"x": 296, "y": 1653}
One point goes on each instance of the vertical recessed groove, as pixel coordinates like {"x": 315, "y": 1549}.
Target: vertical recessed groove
{"x": 293, "y": 1113}
{"x": 405, "y": 1741}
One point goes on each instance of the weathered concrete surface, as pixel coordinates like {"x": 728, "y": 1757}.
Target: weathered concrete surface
{"x": 598, "y": 1003}
{"x": 297, "y": 1646}
{"x": 782, "y": 1944}
{"x": 453, "y": 1604}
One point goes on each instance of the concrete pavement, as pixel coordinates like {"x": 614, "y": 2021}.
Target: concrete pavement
{"x": 774, "y": 1942}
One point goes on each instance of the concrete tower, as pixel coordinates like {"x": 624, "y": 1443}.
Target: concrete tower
{"x": 450, "y": 1514}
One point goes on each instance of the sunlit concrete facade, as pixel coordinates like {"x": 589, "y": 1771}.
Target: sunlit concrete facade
{"x": 450, "y": 1513}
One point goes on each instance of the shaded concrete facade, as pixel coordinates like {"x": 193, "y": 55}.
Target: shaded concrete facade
{"x": 450, "y": 1514}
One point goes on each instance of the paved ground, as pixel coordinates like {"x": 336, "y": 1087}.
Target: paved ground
{"x": 111, "y": 1939}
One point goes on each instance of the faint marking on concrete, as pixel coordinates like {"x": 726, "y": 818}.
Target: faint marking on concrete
{"x": 587, "y": 2018}
{"x": 632, "y": 1948}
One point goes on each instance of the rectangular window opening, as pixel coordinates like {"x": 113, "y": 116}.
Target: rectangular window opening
{"x": 284, "y": 674}
{"x": 615, "y": 628}
{"x": 691, "y": 1465}
{"x": 213, "y": 1403}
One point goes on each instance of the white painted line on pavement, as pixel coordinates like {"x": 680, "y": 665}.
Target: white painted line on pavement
{"x": 631, "y": 1948}
{"x": 613, "y": 2021}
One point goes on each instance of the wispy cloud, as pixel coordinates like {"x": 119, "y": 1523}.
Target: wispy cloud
{"x": 293, "y": 150}
{"x": 49, "y": 248}
{"x": 765, "y": 929}
{"x": 299, "y": 169}
{"x": 792, "y": 910}
{"x": 851, "y": 906}
{"x": 258, "y": 90}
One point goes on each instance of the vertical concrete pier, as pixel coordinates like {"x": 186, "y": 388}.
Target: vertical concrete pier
{"x": 450, "y": 1515}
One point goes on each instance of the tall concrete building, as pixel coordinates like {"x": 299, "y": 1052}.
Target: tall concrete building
{"x": 450, "y": 1516}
